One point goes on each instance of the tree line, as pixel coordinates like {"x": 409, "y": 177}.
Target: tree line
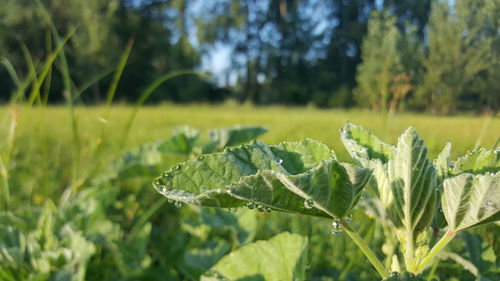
{"x": 439, "y": 56}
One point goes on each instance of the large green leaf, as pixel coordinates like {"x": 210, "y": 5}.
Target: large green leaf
{"x": 363, "y": 145}
{"x": 280, "y": 177}
{"x": 281, "y": 258}
{"x": 478, "y": 161}
{"x": 334, "y": 188}
{"x": 370, "y": 152}
{"x": 413, "y": 183}
{"x": 471, "y": 200}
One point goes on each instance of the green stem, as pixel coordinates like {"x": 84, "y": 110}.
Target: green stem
{"x": 448, "y": 236}
{"x": 409, "y": 252}
{"x": 366, "y": 250}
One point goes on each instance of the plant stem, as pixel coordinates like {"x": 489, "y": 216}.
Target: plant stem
{"x": 366, "y": 250}
{"x": 409, "y": 252}
{"x": 448, "y": 236}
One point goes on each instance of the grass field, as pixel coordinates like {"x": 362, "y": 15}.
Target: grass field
{"x": 45, "y": 152}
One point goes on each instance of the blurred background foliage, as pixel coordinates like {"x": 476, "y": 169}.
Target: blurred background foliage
{"x": 439, "y": 56}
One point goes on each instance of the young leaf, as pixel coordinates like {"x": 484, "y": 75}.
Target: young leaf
{"x": 211, "y": 180}
{"x": 281, "y": 258}
{"x": 363, "y": 145}
{"x": 413, "y": 183}
{"x": 370, "y": 152}
{"x": 471, "y": 200}
{"x": 442, "y": 163}
{"x": 478, "y": 161}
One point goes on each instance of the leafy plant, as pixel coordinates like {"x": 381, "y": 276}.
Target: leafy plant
{"x": 306, "y": 178}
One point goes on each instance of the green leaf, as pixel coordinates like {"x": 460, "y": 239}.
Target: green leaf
{"x": 236, "y": 135}
{"x": 264, "y": 175}
{"x": 363, "y": 145}
{"x": 442, "y": 163}
{"x": 413, "y": 183}
{"x": 471, "y": 200}
{"x": 143, "y": 160}
{"x": 370, "y": 152}
{"x": 478, "y": 161}
{"x": 182, "y": 141}
{"x": 281, "y": 258}
{"x": 334, "y": 188}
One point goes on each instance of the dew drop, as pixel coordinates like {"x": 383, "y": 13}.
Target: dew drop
{"x": 178, "y": 204}
{"x": 336, "y": 229}
{"x": 348, "y": 219}
{"x": 170, "y": 201}
{"x": 261, "y": 208}
{"x": 308, "y": 203}
{"x": 336, "y": 232}
{"x": 269, "y": 210}
{"x": 162, "y": 189}
{"x": 278, "y": 161}
{"x": 251, "y": 205}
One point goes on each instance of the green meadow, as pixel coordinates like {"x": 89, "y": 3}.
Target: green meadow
{"x": 62, "y": 156}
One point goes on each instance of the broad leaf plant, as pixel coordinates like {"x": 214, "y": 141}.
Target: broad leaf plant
{"x": 306, "y": 178}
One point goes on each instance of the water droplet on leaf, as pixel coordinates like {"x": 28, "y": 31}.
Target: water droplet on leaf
{"x": 336, "y": 228}
{"x": 278, "y": 161}
{"x": 251, "y": 205}
{"x": 261, "y": 208}
{"x": 348, "y": 219}
{"x": 309, "y": 204}
{"x": 178, "y": 204}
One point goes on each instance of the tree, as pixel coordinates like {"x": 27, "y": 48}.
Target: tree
{"x": 459, "y": 51}
{"x": 381, "y": 62}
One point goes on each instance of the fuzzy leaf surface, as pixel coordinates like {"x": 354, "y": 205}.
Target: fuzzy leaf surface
{"x": 478, "y": 161}
{"x": 281, "y": 258}
{"x": 335, "y": 188}
{"x": 442, "y": 163}
{"x": 363, "y": 145}
{"x": 471, "y": 200}
{"x": 214, "y": 180}
{"x": 370, "y": 152}
{"x": 413, "y": 183}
